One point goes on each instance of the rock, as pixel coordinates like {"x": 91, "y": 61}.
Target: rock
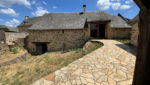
{"x": 111, "y": 81}
{"x": 127, "y": 82}
{"x": 87, "y": 45}
{"x": 46, "y": 82}
{"x": 50, "y": 77}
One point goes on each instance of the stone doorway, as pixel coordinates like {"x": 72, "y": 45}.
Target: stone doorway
{"x": 97, "y": 30}
{"x": 41, "y": 48}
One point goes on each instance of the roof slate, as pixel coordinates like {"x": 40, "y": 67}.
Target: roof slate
{"x": 73, "y": 20}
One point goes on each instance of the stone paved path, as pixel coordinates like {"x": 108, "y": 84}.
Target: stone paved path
{"x": 109, "y": 65}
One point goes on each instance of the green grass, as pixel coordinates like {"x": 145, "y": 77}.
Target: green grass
{"x": 16, "y": 82}
{"x": 2, "y": 25}
{"x": 125, "y": 41}
{"x": 15, "y": 50}
{"x": 18, "y": 74}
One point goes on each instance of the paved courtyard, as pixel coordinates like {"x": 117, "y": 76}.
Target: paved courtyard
{"x": 113, "y": 64}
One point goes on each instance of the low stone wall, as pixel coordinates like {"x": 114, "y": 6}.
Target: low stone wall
{"x": 18, "y": 38}
{"x": 120, "y": 33}
{"x": 134, "y": 34}
{"x": 58, "y": 39}
{"x": 16, "y": 60}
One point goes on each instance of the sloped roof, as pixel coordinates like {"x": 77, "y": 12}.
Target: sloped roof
{"x": 136, "y": 18}
{"x": 60, "y": 21}
{"x": 73, "y": 20}
{"x": 8, "y": 28}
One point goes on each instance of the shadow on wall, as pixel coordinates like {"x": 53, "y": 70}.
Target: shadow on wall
{"x": 129, "y": 48}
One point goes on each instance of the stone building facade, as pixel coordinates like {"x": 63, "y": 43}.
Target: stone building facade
{"x": 56, "y": 39}
{"x": 15, "y": 38}
{"x": 63, "y": 31}
{"x": 120, "y": 33}
{"x": 135, "y": 31}
{"x": 112, "y": 33}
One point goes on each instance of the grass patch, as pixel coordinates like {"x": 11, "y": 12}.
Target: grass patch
{"x": 25, "y": 74}
{"x": 125, "y": 41}
{"x": 15, "y": 50}
{"x": 18, "y": 74}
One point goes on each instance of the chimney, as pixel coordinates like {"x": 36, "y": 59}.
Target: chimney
{"x": 84, "y": 8}
{"x": 26, "y": 17}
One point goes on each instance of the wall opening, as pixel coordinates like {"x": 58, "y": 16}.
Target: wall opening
{"x": 102, "y": 31}
{"x": 41, "y": 48}
{"x": 98, "y": 30}
{"x": 94, "y": 30}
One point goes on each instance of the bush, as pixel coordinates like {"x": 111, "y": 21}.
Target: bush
{"x": 15, "y": 50}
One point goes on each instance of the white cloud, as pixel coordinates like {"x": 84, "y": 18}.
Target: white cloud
{"x": 33, "y": 2}
{"x": 39, "y": 12}
{"x": 54, "y": 7}
{"x": 128, "y": 1}
{"x": 103, "y": 4}
{"x": 8, "y": 3}
{"x": 114, "y": 4}
{"x": 9, "y": 11}
{"x": 13, "y": 22}
{"x": 125, "y": 7}
{"x": 44, "y": 2}
{"x": 115, "y": 0}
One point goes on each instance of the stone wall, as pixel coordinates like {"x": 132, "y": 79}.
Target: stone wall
{"x": 2, "y": 37}
{"x": 119, "y": 33}
{"x": 134, "y": 34}
{"x": 23, "y": 28}
{"x": 57, "y": 39}
{"x": 12, "y": 38}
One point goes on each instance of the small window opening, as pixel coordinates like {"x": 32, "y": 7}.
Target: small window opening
{"x": 63, "y": 31}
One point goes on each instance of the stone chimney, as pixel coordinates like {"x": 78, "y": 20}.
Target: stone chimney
{"x": 84, "y": 8}
{"x": 26, "y": 17}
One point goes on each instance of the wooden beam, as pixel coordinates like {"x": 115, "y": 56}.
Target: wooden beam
{"x": 99, "y": 22}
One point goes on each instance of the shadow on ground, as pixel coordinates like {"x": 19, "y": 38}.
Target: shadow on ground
{"x": 128, "y": 47}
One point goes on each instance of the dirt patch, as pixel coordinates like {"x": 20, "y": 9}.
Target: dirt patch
{"x": 10, "y": 55}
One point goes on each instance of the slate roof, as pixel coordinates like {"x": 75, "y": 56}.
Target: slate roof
{"x": 73, "y": 20}
{"x": 8, "y": 28}
{"x": 136, "y": 18}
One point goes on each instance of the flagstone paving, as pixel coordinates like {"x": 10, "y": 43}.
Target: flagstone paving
{"x": 109, "y": 65}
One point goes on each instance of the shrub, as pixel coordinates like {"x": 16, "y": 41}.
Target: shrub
{"x": 15, "y": 50}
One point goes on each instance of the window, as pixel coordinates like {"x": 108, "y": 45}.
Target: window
{"x": 63, "y": 31}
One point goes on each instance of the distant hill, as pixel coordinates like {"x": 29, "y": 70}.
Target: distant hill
{"x": 2, "y": 25}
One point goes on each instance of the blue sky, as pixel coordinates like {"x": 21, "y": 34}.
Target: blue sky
{"x": 12, "y": 12}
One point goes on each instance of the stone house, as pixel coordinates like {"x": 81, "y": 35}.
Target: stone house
{"x": 62, "y": 31}
{"x": 3, "y": 30}
{"x": 11, "y": 36}
{"x": 135, "y": 31}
